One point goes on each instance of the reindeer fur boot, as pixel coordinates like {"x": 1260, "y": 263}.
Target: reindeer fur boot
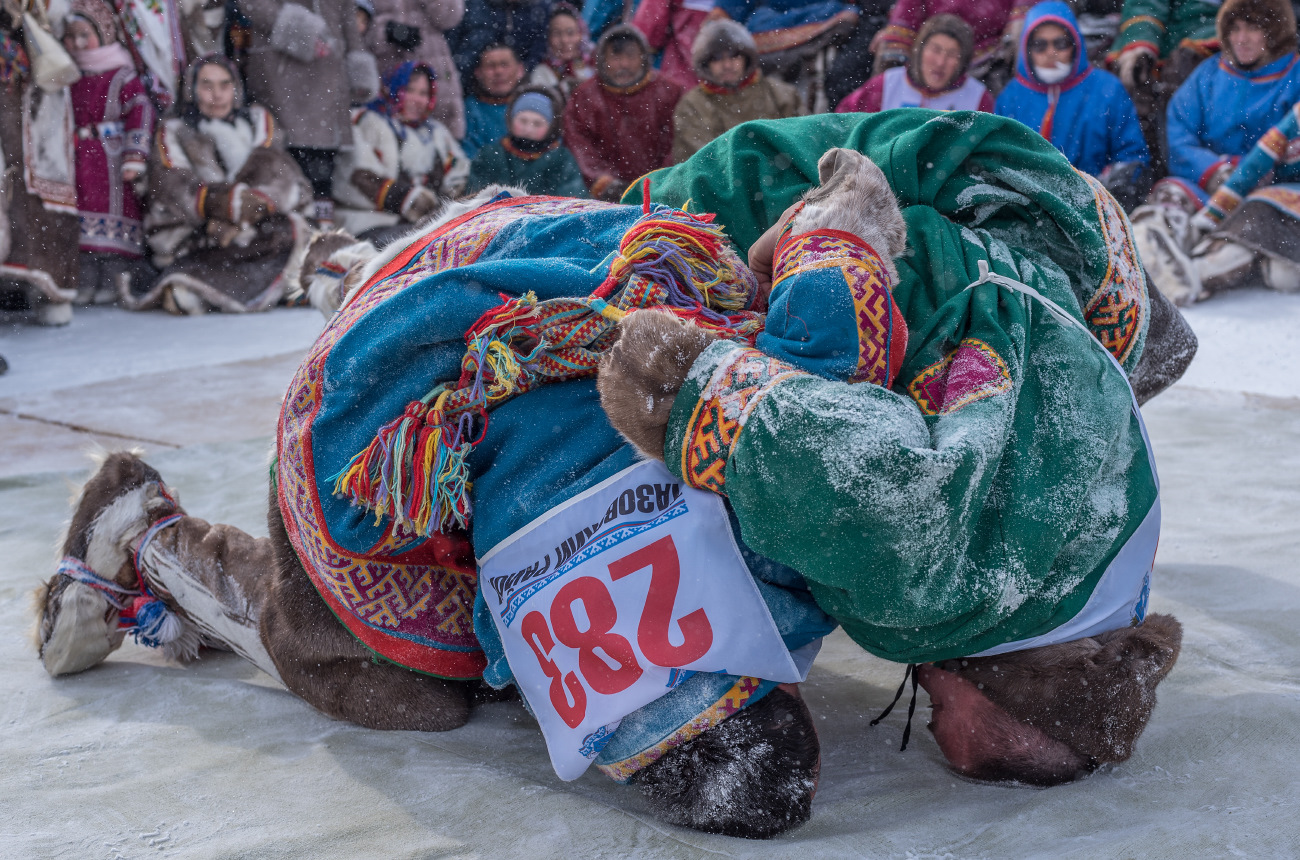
{"x": 80, "y": 606}
{"x": 753, "y": 775}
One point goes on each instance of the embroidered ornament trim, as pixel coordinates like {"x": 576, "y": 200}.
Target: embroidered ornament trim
{"x": 721, "y": 412}
{"x": 970, "y": 373}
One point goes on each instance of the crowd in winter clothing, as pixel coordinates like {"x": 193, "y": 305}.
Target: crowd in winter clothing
{"x": 190, "y": 171}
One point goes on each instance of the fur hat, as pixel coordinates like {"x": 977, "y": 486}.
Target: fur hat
{"x": 99, "y": 15}
{"x": 722, "y": 38}
{"x": 1275, "y": 17}
{"x": 947, "y": 25}
{"x": 1094, "y": 695}
{"x": 623, "y": 33}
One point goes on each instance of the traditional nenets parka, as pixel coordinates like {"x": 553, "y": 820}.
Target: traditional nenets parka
{"x": 949, "y": 436}
{"x": 38, "y": 202}
{"x": 712, "y": 107}
{"x": 945, "y": 517}
{"x": 395, "y": 171}
{"x": 227, "y": 206}
{"x": 1088, "y": 115}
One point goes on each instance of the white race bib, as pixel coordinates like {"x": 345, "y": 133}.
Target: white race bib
{"x": 608, "y": 601}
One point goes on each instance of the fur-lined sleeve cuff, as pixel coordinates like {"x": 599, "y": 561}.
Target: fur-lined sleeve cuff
{"x": 297, "y": 30}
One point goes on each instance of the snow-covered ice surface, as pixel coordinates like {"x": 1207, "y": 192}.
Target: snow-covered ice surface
{"x": 138, "y": 758}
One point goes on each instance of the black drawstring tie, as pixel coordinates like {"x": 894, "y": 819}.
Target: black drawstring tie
{"x": 911, "y": 708}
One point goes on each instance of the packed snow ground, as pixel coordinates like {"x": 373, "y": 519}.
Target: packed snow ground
{"x": 139, "y": 758}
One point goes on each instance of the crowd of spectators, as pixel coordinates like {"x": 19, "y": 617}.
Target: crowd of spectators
{"x": 365, "y": 114}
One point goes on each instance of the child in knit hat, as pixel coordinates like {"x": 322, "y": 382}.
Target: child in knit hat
{"x": 531, "y": 156}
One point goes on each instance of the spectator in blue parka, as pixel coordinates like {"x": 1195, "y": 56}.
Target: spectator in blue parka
{"x": 1083, "y": 110}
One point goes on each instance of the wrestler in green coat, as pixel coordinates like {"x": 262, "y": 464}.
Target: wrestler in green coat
{"x": 976, "y": 504}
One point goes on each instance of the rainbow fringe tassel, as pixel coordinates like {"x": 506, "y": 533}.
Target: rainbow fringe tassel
{"x": 415, "y": 470}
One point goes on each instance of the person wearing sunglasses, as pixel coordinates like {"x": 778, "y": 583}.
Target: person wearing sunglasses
{"x": 1083, "y": 110}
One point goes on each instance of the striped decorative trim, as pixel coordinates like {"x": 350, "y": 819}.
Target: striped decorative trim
{"x": 732, "y": 701}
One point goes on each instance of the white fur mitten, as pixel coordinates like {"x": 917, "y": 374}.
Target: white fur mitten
{"x": 363, "y": 76}
{"x": 297, "y": 32}
{"x": 1126, "y": 65}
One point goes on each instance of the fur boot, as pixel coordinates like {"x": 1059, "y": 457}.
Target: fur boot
{"x": 753, "y": 775}
{"x": 77, "y": 624}
{"x": 1161, "y": 234}
{"x": 1095, "y": 695}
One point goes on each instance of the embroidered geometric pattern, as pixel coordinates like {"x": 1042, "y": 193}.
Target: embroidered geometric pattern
{"x": 731, "y": 702}
{"x": 1283, "y": 197}
{"x": 400, "y": 602}
{"x": 971, "y": 372}
{"x": 1117, "y": 311}
{"x": 103, "y": 232}
{"x": 869, "y": 285}
{"x": 721, "y": 412}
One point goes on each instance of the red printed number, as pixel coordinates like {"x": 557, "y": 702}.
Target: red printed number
{"x": 657, "y": 617}
{"x": 651, "y": 634}
{"x": 538, "y": 636}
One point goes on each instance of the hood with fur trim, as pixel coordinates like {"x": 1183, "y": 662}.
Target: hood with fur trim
{"x": 1275, "y": 17}
{"x": 946, "y": 25}
{"x": 722, "y": 38}
{"x": 622, "y": 32}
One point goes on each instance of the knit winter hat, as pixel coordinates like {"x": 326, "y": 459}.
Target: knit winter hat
{"x": 99, "y": 15}
{"x": 535, "y": 102}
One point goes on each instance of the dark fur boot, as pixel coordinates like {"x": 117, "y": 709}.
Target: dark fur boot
{"x": 642, "y": 373}
{"x": 753, "y": 775}
{"x": 1095, "y": 695}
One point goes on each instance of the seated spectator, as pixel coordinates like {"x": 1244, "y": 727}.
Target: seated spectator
{"x": 531, "y": 156}
{"x": 1237, "y": 105}
{"x": 405, "y": 31}
{"x": 1084, "y": 111}
{"x": 934, "y": 77}
{"x": 670, "y": 27}
{"x": 518, "y": 24}
{"x": 790, "y": 34}
{"x": 619, "y": 124}
{"x": 227, "y": 204}
{"x": 732, "y": 89}
{"x": 568, "y": 52}
{"x": 114, "y": 121}
{"x": 401, "y": 159}
{"x": 995, "y": 23}
{"x": 496, "y": 74}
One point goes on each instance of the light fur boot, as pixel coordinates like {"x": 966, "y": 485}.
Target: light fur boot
{"x": 1281, "y": 275}
{"x": 1222, "y": 264}
{"x": 1160, "y": 233}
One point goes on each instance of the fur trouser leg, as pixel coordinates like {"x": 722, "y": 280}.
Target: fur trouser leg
{"x": 215, "y": 574}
